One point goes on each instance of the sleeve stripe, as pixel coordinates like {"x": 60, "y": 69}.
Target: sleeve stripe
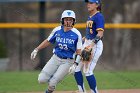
{"x": 99, "y": 29}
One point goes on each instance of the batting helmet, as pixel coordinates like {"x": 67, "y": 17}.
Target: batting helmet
{"x": 93, "y": 1}
{"x": 68, "y": 13}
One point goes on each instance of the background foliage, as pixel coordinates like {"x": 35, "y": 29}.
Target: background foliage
{"x": 3, "y": 50}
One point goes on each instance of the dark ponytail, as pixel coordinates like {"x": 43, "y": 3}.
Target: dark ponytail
{"x": 99, "y": 8}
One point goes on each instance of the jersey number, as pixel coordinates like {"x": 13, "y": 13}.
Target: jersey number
{"x": 63, "y": 46}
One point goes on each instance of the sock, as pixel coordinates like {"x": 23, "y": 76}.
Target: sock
{"x": 48, "y": 91}
{"x": 92, "y": 83}
{"x": 79, "y": 79}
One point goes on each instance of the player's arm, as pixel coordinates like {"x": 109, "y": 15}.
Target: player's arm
{"x": 99, "y": 28}
{"x": 99, "y": 36}
{"x": 78, "y": 51}
{"x": 76, "y": 61}
{"x": 44, "y": 44}
{"x": 83, "y": 39}
{"x": 100, "y": 33}
{"x": 78, "y": 56}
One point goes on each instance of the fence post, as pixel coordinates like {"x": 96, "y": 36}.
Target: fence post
{"x": 20, "y": 50}
{"x": 42, "y": 35}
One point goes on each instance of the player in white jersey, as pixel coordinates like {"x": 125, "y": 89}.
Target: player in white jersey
{"x": 68, "y": 43}
{"x": 92, "y": 41}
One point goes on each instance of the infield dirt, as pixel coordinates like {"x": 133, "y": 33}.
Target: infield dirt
{"x": 100, "y": 91}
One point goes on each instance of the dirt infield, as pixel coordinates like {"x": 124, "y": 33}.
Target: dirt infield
{"x": 100, "y": 91}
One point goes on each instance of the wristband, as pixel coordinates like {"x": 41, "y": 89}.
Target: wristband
{"x": 96, "y": 39}
{"x": 36, "y": 49}
{"x": 77, "y": 59}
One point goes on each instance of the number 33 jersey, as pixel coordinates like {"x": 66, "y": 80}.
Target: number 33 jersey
{"x": 66, "y": 43}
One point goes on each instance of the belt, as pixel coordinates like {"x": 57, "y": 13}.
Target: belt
{"x": 63, "y": 57}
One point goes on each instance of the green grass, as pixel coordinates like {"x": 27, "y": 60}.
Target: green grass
{"x": 118, "y": 80}
{"x": 27, "y": 81}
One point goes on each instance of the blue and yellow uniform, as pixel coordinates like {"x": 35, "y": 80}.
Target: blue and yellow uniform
{"x": 95, "y": 23}
{"x": 94, "y": 33}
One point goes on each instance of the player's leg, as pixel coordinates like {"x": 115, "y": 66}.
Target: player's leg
{"x": 48, "y": 70}
{"x": 78, "y": 74}
{"x": 61, "y": 72}
{"x": 79, "y": 78}
{"x": 89, "y": 72}
{"x": 90, "y": 76}
{"x": 91, "y": 81}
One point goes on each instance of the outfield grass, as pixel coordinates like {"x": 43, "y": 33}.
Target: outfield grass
{"x": 27, "y": 81}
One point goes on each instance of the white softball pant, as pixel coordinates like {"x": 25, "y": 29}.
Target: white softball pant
{"x": 55, "y": 70}
{"x": 96, "y": 53}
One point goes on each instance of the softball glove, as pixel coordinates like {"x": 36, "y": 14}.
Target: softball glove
{"x": 86, "y": 54}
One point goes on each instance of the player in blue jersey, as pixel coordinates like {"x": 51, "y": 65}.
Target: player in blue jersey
{"x": 68, "y": 43}
{"x": 92, "y": 40}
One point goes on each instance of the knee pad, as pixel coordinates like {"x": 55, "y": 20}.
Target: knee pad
{"x": 43, "y": 77}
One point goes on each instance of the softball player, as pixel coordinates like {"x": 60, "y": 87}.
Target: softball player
{"x": 92, "y": 40}
{"x": 68, "y": 43}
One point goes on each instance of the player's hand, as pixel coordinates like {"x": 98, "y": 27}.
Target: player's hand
{"x": 83, "y": 39}
{"x": 90, "y": 46}
{"x": 72, "y": 68}
{"x": 33, "y": 54}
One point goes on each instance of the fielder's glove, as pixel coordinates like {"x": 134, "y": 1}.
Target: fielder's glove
{"x": 86, "y": 54}
{"x": 33, "y": 54}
